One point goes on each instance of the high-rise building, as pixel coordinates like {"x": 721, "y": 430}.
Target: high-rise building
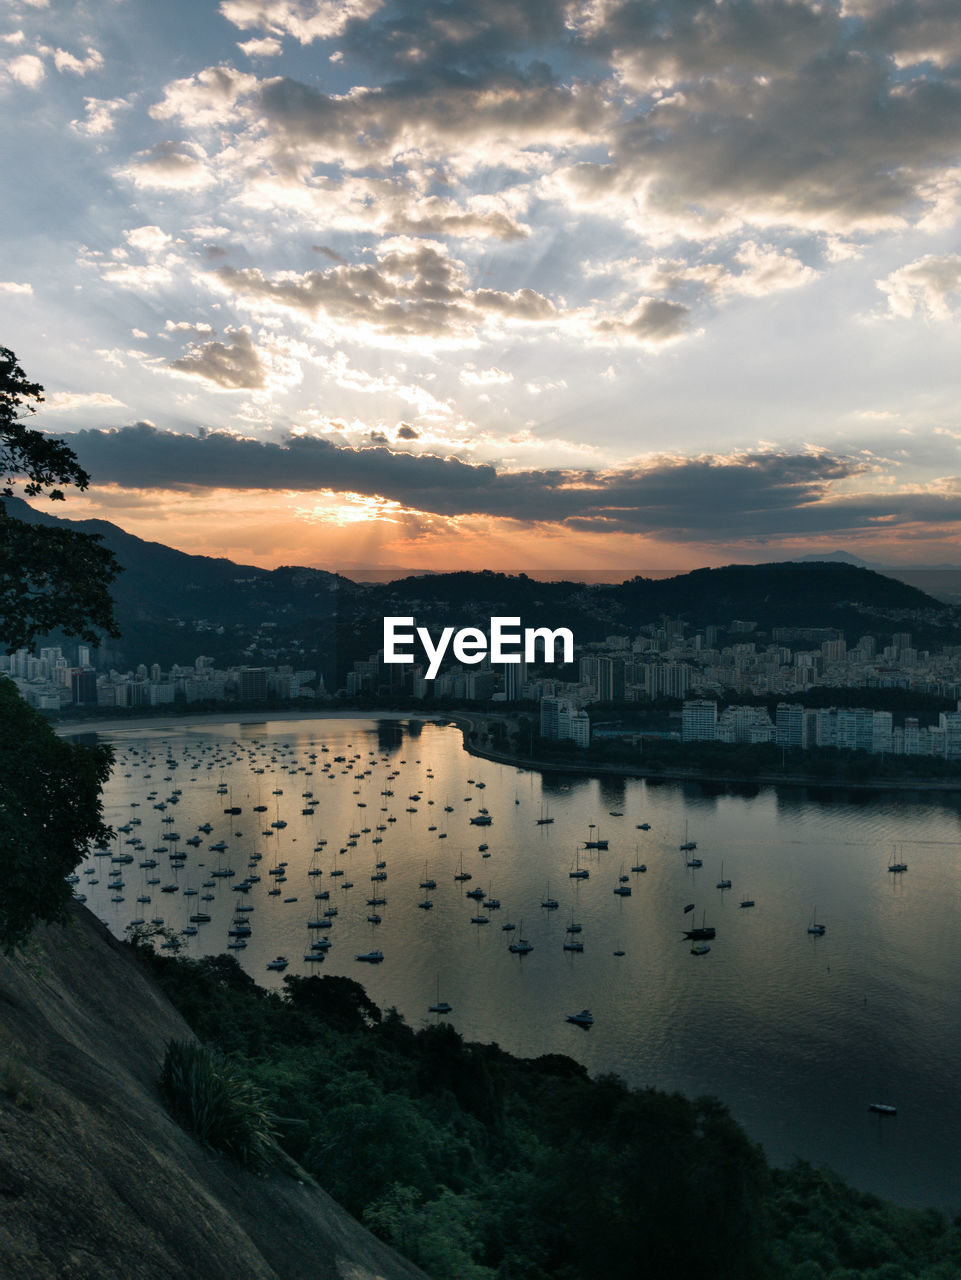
{"x": 253, "y": 684}
{"x": 698, "y": 720}
{"x": 610, "y": 679}
{"x": 83, "y": 686}
{"x": 515, "y": 677}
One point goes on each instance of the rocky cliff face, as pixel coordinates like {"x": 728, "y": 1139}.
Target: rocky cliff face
{"x": 97, "y": 1182}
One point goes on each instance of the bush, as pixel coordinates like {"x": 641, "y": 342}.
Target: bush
{"x": 50, "y": 812}
{"x": 210, "y": 1097}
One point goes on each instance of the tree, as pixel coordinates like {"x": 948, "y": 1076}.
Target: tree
{"x": 50, "y": 790}
{"x": 49, "y": 577}
{"x": 50, "y": 812}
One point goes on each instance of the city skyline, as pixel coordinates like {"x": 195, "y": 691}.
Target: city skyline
{"x": 356, "y": 284}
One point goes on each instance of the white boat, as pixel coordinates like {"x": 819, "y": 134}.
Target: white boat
{"x": 583, "y": 1019}
{"x": 281, "y": 962}
{"x": 371, "y": 957}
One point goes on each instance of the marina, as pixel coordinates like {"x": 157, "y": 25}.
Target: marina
{"x": 797, "y": 1032}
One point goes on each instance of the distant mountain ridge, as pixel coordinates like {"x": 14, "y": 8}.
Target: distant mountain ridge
{"x": 172, "y": 606}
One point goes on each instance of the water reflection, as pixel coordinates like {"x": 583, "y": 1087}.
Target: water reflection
{"x": 797, "y": 1033}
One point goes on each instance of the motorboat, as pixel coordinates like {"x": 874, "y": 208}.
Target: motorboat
{"x": 583, "y": 1019}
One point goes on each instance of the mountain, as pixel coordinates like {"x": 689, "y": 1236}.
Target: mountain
{"x": 172, "y": 606}
{"x": 843, "y": 557}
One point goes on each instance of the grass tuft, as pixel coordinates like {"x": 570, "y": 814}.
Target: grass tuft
{"x": 210, "y": 1097}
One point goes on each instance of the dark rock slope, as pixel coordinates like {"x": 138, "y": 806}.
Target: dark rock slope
{"x": 97, "y": 1182}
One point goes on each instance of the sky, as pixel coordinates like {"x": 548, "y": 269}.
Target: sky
{"x": 509, "y": 284}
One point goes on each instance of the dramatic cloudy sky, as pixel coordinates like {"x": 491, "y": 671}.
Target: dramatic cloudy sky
{"x": 494, "y": 283}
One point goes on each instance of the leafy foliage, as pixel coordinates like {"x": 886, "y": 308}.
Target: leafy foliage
{"x": 25, "y": 453}
{"x": 217, "y": 1103}
{"x": 49, "y": 576}
{"x": 50, "y": 811}
{"x": 52, "y": 577}
{"x": 464, "y": 1157}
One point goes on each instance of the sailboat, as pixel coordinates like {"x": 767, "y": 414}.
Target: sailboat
{"x": 595, "y": 842}
{"x": 702, "y": 933}
{"x": 461, "y": 873}
{"x": 722, "y": 883}
{"x": 520, "y": 946}
{"x": 687, "y": 845}
{"x": 578, "y": 872}
{"x": 573, "y": 942}
{"x": 817, "y": 929}
{"x": 440, "y": 1006}
{"x": 544, "y": 820}
{"x": 898, "y": 865}
{"x": 549, "y": 903}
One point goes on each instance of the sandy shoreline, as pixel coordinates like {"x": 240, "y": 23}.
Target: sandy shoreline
{"x": 181, "y": 722}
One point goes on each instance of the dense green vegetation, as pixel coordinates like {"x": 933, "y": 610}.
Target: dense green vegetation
{"x": 216, "y": 1102}
{"x": 478, "y": 1165}
{"x": 50, "y": 812}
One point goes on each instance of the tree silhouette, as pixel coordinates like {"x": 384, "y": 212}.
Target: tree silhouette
{"x": 49, "y": 577}
{"x": 50, "y": 789}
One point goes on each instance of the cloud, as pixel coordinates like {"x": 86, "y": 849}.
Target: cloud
{"x": 27, "y": 70}
{"x": 266, "y": 48}
{"x": 233, "y": 366}
{"x": 149, "y": 239}
{"x": 654, "y": 321}
{"x": 488, "y": 120}
{"x": 930, "y": 287}
{"x": 766, "y": 495}
{"x": 471, "y": 376}
{"x": 62, "y": 400}
{"x": 344, "y": 374}
{"x": 101, "y": 115}
{"x": 174, "y": 165}
{"x": 210, "y": 97}
{"x": 12, "y": 286}
{"x": 412, "y": 289}
{"x": 65, "y": 61}
{"x": 305, "y": 20}
{"x": 406, "y": 432}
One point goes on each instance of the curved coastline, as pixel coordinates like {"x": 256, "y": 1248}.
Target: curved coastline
{"x": 466, "y": 724}
{"x": 73, "y": 727}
